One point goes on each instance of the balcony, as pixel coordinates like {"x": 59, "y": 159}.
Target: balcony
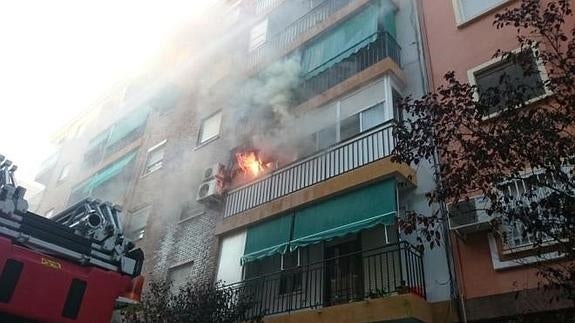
{"x": 262, "y": 6}
{"x": 281, "y": 41}
{"x": 368, "y": 274}
{"x": 383, "y": 47}
{"x": 358, "y": 151}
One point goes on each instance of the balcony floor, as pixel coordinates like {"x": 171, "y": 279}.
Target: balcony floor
{"x": 399, "y": 308}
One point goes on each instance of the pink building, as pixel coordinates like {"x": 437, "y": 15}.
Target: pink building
{"x": 494, "y": 280}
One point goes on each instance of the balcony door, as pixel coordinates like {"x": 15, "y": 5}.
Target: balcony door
{"x": 344, "y": 273}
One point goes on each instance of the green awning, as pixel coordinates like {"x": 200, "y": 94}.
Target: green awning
{"x": 128, "y": 124}
{"x": 341, "y": 42}
{"x": 268, "y": 238}
{"x": 348, "y": 213}
{"x": 109, "y": 172}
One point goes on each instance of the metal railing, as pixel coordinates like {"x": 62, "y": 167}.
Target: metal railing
{"x": 283, "y": 39}
{"x": 263, "y": 6}
{"x": 383, "y": 47}
{"x": 353, "y": 153}
{"x": 375, "y": 273}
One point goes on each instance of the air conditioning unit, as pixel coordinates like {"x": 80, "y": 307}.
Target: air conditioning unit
{"x": 211, "y": 191}
{"x": 470, "y": 215}
{"x": 215, "y": 171}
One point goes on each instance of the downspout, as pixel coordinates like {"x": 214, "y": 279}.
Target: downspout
{"x": 418, "y": 24}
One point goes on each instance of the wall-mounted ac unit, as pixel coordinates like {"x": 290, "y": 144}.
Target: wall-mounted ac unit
{"x": 470, "y": 216}
{"x": 214, "y": 171}
{"x": 211, "y": 191}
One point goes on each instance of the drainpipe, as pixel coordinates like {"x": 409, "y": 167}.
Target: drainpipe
{"x": 416, "y": 21}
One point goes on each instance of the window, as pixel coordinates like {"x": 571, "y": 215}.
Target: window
{"x": 468, "y": 9}
{"x": 49, "y": 213}
{"x": 64, "y": 172}
{"x": 155, "y": 158}
{"x": 326, "y": 137}
{"x": 350, "y": 127}
{"x": 522, "y": 73}
{"x": 291, "y": 276}
{"x": 138, "y": 221}
{"x": 210, "y": 128}
{"x": 373, "y": 116}
{"x": 258, "y": 35}
{"x": 180, "y": 275}
{"x": 521, "y": 193}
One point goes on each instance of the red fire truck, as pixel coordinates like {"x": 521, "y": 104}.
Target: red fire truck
{"x": 74, "y": 267}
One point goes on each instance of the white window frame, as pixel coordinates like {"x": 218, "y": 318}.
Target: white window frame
{"x": 49, "y": 214}
{"x": 64, "y": 172}
{"x": 461, "y": 20}
{"x": 494, "y": 61}
{"x": 201, "y": 142}
{"x": 141, "y": 232}
{"x": 148, "y": 169}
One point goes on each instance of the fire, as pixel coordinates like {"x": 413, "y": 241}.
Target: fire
{"x": 250, "y": 163}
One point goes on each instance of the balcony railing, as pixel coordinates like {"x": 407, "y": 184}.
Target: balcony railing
{"x": 383, "y": 47}
{"x": 353, "y": 153}
{"x": 263, "y": 6}
{"x": 283, "y": 39}
{"x": 381, "y": 272}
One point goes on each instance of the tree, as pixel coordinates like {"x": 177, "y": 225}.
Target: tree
{"x": 486, "y": 139}
{"x": 193, "y": 303}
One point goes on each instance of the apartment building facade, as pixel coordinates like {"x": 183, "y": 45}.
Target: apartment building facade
{"x": 308, "y": 222}
{"x": 267, "y": 164}
{"x": 496, "y": 267}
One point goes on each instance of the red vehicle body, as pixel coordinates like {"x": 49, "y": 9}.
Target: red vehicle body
{"x": 47, "y": 289}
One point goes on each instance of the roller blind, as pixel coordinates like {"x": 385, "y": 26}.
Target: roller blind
{"x": 345, "y": 214}
{"x": 341, "y": 42}
{"x": 268, "y": 238}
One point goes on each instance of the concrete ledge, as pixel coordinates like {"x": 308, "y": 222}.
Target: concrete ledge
{"x": 351, "y": 180}
{"x": 400, "y": 308}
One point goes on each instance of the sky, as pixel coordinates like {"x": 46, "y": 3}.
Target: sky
{"x": 58, "y": 56}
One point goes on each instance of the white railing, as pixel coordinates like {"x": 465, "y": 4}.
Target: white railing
{"x": 358, "y": 151}
{"x": 263, "y": 6}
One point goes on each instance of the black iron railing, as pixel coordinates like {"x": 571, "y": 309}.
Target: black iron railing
{"x": 383, "y": 47}
{"x": 375, "y": 273}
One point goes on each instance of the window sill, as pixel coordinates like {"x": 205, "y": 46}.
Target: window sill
{"x": 193, "y": 216}
{"x": 464, "y": 23}
{"x": 501, "y": 264}
{"x": 146, "y": 174}
{"x": 207, "y": 142}
{"x": 529, "y": 102}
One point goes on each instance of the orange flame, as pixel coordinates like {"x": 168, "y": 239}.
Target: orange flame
{"x": 250, "y": 163}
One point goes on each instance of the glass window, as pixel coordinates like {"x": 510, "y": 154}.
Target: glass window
{"x": 138, "y": 221}
{"x": 258, "y": 35}
{"x": 372, "y": 117}
{"x": 472, "y": 8}
{"x": 155, "y": 159}
{"x": 326, "y": 137}
{"x": 520, "y": 73}
{"x": 210, "y": 128}
{"x": 180, "y": 275}
{"x": 349, "y": 127}
{"x": 64, "y": 172}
